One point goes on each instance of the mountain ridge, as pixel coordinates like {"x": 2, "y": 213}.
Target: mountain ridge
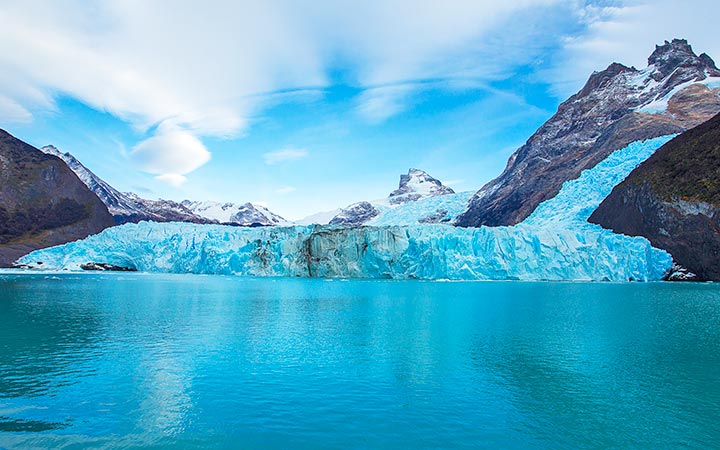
{"x": 129, "y": 207}
{"x": 605, "y": 115}
{"x": 413, "y": 186}
{"x": 126, "y": 206}
{"x": 42, "y": 202}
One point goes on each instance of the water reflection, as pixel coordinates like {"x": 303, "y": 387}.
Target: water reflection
{"x": 178, "y": 361}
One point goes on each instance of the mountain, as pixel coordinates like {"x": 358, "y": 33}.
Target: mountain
{"x": 246, "y": 214}
{"x": 414, "y": 186}
{"x": 129, "y": 207}
{"x": 42, "y": 202}
{"x": 676, "y": 91}
{"x": 125, "y": 206}
{"x": 355, "y": 214}
{"x": 555, "y": 243}
{"x": 673, "y": 200}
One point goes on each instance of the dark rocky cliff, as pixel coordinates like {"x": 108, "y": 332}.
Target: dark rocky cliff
{"x": 673, "y": 199}
{"x": 606, "y": 115}
{"x": 42, "y": 202}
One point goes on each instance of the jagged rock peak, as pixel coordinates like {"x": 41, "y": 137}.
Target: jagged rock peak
{"x": 617, "y": 106}
{"x": 415, "y": 185}
{"x": 355, "y": 214}
{"x": 599, "y": 80}
{"x": 679, "y": 54}
{"x": 51, "y": 149}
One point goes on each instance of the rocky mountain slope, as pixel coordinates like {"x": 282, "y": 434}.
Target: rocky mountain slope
{"x": 126, "y": 206}
{"x": 42, "y": 202}
{"x": 677, "y": 91}
{"x": 355, "y": 214}
{"x": 673, "y": 199}
{"x": 246, "y": 214}
{"x": 414, "y": 186}
{"x": 129, "y": 207}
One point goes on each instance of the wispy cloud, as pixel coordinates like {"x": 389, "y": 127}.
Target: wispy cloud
{"x": 284, "y": 155}
{"x": 173, "y": 179}
{"x": 246, "y": 55}
{"x": 285, "y": 190}
{"x": 378, "y": 104}
{"x": 12, "y": 112}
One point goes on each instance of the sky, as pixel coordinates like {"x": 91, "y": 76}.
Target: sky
{"x": 307, "y": 106}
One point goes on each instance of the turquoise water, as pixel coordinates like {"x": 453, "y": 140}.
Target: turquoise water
{"x": 172, "y": 361}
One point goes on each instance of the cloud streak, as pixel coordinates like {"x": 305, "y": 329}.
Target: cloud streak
{"x": 208, "y": 74}
{"x": 285, "y": 190}
{"x": 284, "y": 155}
{"x": 161, "y": 64}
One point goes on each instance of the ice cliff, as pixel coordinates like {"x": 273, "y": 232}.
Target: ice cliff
{"x": 554, "y": 243}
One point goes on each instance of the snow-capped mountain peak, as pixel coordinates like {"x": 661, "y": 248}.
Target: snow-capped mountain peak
{"x": 677, "y": 91}
{"x": 678, "y": 56}
{"x": 246, "y": 214}
{"x": 415, "y": 185}
{"x": 129, "y": 207}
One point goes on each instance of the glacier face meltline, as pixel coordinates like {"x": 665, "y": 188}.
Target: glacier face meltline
{"x": 554, "y": 243}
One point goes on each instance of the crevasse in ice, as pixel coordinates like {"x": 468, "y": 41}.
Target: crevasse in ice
{"x": 554, "y": 243}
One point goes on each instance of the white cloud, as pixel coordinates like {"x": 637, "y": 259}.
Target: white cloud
{"x": 11, "y": 111}
{"x": 208, "y": 74}
{"x": 285, "y": 190}
{"x": 149, "y": 62}
{"x": 170, "y": 153}
{"x": 284, "y": 155}
{"x": 172, "y": 179}
{"x": 377, "y": 104}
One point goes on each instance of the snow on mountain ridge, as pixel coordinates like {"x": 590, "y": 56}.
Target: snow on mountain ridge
{"x": 125, "y": 206}
{"x": 414, "y": 186}
{"x": 238, "y": 214}
{"x": 605, "y": 115}
{"x": 556, "y": 243}
{"x": 129, "y": 207}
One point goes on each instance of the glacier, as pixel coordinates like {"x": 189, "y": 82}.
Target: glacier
{"x": 555, "y": 243}
{"x": 445, "y": 207}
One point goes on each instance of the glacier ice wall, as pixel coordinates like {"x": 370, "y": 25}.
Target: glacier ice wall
{"x": 554, "y": 243}
{"x": 446, "y": 207}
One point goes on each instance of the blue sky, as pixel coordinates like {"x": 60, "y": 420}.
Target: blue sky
{"x": 310, "y": 106}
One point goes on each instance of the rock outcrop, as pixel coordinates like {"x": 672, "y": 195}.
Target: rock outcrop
{"x": 415, "y": 185}
{"x": 678, "y": 90}
{"x": 355, "y": 214}
{"x": 42, "y": 202}
{"x": 673, "y": 200}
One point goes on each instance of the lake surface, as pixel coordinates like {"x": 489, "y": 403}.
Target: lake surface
{"x": 174, "y": 361}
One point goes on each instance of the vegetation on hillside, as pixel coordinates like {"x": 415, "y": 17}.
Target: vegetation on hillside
{"x": 686, "y": 168}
